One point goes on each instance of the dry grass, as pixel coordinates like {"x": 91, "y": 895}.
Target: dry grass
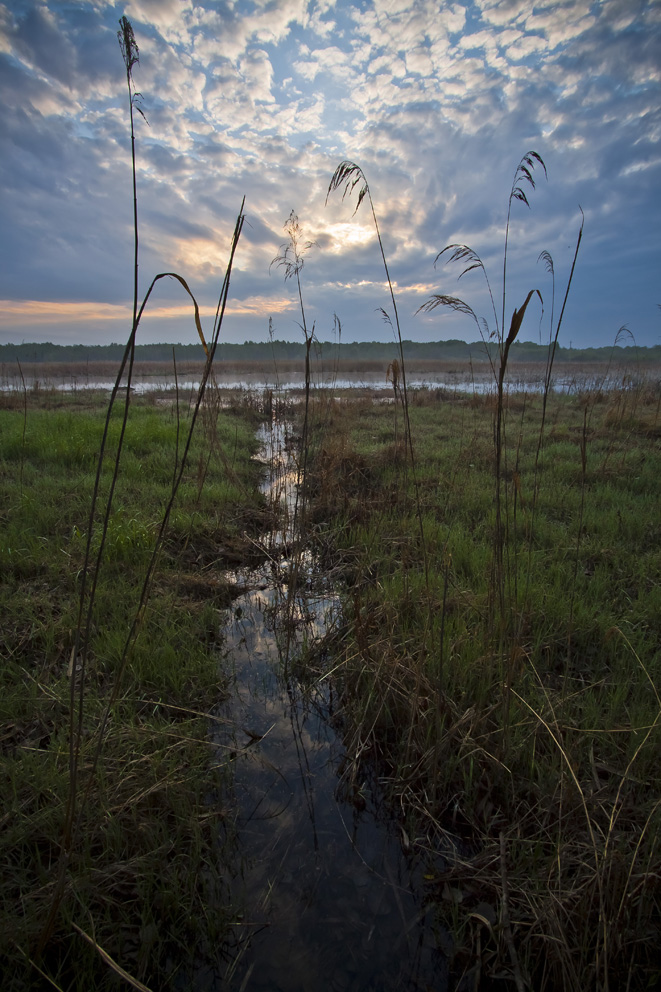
{"x": 549, "y": 832}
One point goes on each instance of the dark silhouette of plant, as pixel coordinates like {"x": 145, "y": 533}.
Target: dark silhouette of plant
{"x": 348, "y": 177}
{"x": 292, "y": 259}
{"x": 523, "y": 182}
{"x": 91, "y": 571}
{"x": 522, "y": 177}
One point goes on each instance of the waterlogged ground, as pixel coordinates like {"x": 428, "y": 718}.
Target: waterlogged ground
{"x": 478, "y": 377}
{"x": 330, "y": 899}
{"x": 327, "y": 891}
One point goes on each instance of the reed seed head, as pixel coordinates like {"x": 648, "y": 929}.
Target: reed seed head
{"x": 524, "y": 174}
{"x": 292, "y": 252}
{"x": 461, "y": 253}
{"x": 451, "y": 302}
{"x": 545, "y": 257}
{"x": 128, "y": 45}
{"x": 349, "y": 175}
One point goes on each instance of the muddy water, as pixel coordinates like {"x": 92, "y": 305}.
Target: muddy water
{"x": 329, "y": 898}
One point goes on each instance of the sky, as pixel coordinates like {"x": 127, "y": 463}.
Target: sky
{"x": 436, "y": 102}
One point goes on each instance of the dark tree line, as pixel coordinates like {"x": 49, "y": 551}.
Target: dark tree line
{"x": 252, "y": 351}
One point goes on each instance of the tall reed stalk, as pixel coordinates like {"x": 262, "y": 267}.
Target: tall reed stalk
{"x": 504, "y": 583}
{"x": 348, "y": 176}
{"x": 291, "y": 259}
{"x": 80, "y": 654}
{"x": 526, "y": 753}
{"x": 547, "y": 259}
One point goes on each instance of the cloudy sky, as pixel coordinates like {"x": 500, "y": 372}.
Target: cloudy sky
{"x": 436, "y": 101}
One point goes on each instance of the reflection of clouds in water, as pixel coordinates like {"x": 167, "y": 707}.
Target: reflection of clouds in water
{"x": 309, "y": 867}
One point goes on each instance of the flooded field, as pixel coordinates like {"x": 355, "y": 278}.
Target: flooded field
{"x": 290, "y": 376}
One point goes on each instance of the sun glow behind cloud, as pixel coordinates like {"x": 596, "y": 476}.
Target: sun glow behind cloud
{"x": 44, "y": 312}
{"x": 342, "y": 236}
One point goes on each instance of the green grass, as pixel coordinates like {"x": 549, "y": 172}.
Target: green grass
{"x": 512, "y": 710}
{"x": 145, "y": 868}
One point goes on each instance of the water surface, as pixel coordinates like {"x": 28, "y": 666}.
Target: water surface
{"x": 330, "y": 899}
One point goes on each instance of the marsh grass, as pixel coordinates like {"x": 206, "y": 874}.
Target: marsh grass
{"x": 573, "y": 788}
{"x": 501, "y": 663}
{"x": 141, "y": 877}
{"x": 131, "y": 668}
{"x": 100, "y": 513}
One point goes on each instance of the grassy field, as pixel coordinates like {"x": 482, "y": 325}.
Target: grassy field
{"x": 498, "y": 672}
{"x": 138, "y": 875}
{"x": 501, "y": 665}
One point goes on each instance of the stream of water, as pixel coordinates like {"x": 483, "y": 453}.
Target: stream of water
{"x": 329, "y": 898}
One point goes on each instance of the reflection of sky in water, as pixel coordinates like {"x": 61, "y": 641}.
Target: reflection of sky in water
{"x": 459, "y": 380}
{"x": 331, "y": 886}
{"x": 326, "y": 890}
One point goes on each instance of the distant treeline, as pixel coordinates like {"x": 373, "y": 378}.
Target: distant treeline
{"x": 251, "y": 351}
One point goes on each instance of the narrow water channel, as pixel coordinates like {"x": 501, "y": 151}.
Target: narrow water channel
{"x": 328, "y": 897}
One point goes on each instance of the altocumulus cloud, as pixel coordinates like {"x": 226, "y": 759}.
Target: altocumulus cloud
{"x": 437, "y": 101}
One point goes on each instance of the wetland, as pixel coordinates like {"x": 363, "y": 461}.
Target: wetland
{"x": 367, "y": 735}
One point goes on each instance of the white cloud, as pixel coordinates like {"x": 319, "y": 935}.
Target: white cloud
{"x": 419, "y": 60}
{"x": 524, "y": 46}
{"x": 561, "y": 22}
{"x": 255, "y": 68}
{"x": 7, "y": 30}
{"x": 319, "y": 24}
{"x": 392, "y": 65}
{"x": 165, "y": 15}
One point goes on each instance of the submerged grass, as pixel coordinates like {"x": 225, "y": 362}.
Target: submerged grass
{"x": 141, "y": 881}
{"x": 549, "y": 831}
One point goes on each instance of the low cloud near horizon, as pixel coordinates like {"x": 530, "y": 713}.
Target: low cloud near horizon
{"x": 436, "y": 101}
